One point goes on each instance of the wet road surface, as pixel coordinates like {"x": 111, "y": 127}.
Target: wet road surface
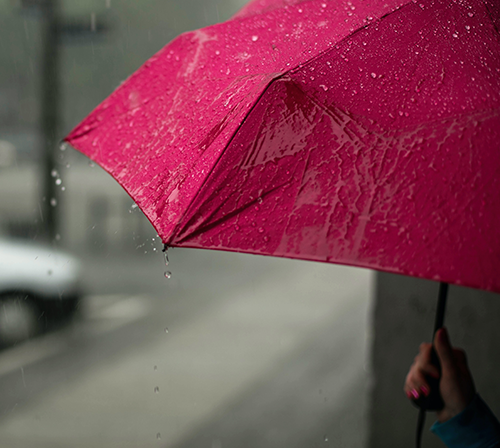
{"x": 233, "y": 350}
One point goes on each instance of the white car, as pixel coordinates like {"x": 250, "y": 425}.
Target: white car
{"x": 38, "y": 285}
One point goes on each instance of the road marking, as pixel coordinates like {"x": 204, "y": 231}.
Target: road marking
{"x": 101, "y": 314}
{"x": 117, "y": 313}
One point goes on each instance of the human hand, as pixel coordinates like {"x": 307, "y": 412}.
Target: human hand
{"x": 456, "y": 384}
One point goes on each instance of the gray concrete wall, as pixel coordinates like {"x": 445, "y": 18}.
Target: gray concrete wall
{"x": 403, "y": 317}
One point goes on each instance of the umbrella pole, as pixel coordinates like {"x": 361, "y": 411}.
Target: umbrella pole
{"x": 434, "y": 401}
{"x": 441, "y": 307}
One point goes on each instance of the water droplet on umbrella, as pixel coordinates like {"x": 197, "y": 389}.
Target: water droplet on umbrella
{"x": 455, "y": 34}
{"x": 470, "y": 14}
{"x": 467, "y": 27}
{"x": 373, "y": 75}
{"x": 255, "y": 38}
{"x": 157, "y": 390}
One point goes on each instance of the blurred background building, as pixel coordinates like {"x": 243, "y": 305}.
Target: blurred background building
{"x": 99, "y": 44}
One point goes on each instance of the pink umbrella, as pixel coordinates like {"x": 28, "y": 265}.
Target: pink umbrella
{"x": 361, "y": 133}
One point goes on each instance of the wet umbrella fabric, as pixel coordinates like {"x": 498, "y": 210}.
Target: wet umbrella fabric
{"x": 361, "y": 133}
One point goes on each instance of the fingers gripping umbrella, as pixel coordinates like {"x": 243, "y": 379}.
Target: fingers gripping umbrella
{"x": 362, "y": 133}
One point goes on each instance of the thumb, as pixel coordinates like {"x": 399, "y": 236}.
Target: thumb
{"x": 444, "y": 350}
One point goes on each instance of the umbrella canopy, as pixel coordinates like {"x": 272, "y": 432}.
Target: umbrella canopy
{"x": 361, "y": 133}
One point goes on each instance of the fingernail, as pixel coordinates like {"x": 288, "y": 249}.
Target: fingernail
{"x": 415, "y": 393}
{"x": 425, "y": 390}
{"x": 409, "y": 395}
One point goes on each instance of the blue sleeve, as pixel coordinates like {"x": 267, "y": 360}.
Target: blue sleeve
{"x": 474, "y": 427}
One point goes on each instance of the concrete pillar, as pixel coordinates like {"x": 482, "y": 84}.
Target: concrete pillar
{"x": 403, "y": 317}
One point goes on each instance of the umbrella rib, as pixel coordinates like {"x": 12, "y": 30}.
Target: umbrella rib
{"x": 187, "y": 212}
{"x": 203, "y": 228}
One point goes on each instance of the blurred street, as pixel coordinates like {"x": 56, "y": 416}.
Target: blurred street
{"x": 233, "y": 350}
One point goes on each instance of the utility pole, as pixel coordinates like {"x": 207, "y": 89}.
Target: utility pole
{"x": 50, "y": 104}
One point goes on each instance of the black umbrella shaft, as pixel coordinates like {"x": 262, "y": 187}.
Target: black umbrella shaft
{"x": 441, "y": 307}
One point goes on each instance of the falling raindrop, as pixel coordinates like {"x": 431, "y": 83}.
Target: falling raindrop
{"x": 58, "y": 237}
{"x": 157, "y": 390}
{"x": 133, "y": 207}
{"x": 108, "y": 4}
{"x": 91, "y": 164}
{"x": 155, "y": 368}
{"x": 58, "y": 181}
{"x": 63, "y": 188}
{"x": 158, "y": 436}
{"x": 54, "y": 173}
{"x": 63, "y": 146}
{"x": 53, "y": 202}
{"x": 326, "y": 438}
{"x": 166, "y": 329}
{"x": 167, "y": 274}
{"x": 165, "y": 256}
{"x": 49, "y": 272}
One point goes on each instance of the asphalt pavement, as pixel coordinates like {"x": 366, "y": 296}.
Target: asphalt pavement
{"x": 231, "y": 351}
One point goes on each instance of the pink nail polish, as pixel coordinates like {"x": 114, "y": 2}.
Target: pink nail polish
{"x": 415, "y": 393}
{"x": 425, "y": 390}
